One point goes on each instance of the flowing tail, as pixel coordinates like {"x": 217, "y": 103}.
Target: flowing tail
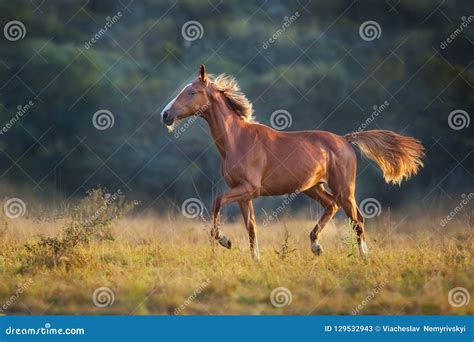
{"x": 398, "y": 156}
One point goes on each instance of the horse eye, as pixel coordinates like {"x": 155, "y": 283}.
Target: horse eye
{"x": 192, "y": 93}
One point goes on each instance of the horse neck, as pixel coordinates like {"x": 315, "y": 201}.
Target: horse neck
{"x": 224, "y": 125}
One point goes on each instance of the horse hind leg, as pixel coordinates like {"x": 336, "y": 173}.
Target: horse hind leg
{"x": 330, "y": 207}
{"x": 363, "y": 245}
{"x": 348, "y": 203}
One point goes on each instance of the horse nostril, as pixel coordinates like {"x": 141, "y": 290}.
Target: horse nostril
{"x": 165, "y": 115}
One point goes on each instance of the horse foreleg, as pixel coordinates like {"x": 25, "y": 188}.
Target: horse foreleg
{"x": 249, "y": 218}
{"x": 216, "y": 233}
{"x": 242, "y": 192}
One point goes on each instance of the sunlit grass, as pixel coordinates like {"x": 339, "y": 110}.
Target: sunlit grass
{"x": 154, "y": 265}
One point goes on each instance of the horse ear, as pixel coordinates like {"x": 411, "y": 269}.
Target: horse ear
{"x": 202, "y": 73}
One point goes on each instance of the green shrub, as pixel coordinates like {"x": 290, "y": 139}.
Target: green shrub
{"x": 89, "y": 220}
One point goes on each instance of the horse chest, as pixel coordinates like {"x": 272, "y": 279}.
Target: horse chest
{"x": 232, "y": 172}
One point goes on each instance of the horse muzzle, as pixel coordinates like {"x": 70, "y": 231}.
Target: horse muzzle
{"x": 167, "y": 118}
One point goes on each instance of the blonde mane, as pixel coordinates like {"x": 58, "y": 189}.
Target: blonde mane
{"x": 231, "y": 90}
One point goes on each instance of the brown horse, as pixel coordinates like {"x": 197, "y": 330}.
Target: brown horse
{"x": 260, "y": 161}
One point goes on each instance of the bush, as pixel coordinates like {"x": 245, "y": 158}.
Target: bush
{"x": 89, "y": 220}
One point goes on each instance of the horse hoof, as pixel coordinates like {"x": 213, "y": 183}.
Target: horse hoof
{"x": 255, "y": 256}
{"x": 225, "y": 242}
{"x": 316, "y": 249}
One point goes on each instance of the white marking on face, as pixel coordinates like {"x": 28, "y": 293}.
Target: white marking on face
{"x": 169, "y": 105}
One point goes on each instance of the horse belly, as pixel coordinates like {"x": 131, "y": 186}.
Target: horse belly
{"x": 296, "y": 176}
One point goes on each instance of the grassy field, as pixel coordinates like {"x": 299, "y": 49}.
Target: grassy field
{"x": 164, "y": 265}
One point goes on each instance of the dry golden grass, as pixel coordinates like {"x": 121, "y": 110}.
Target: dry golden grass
{"x": 156, "y": 265}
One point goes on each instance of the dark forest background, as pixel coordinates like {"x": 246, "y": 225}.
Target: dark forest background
{"x": 319, "y": 69}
